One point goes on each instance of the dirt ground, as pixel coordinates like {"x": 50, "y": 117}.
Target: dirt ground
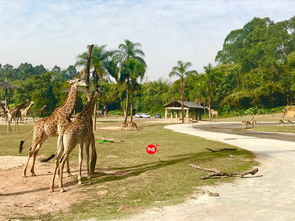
{"x": 30, "y": 196}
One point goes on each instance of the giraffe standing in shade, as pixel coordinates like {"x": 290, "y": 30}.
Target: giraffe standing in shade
{"x": 52, "y": 125}
{"x": 14, "y": 114}
{"x": 25, "y": 111}
{"x": 80, "y": 131}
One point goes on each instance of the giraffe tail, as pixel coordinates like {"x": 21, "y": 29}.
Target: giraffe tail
{"x": 21, "y": 145}
{"x": 48, "y": 158}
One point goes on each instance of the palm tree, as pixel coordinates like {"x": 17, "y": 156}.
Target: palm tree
{"x": 100, "y": 63}
{"x": 130, "y": 57}
{"x": 207, "y": 85}
{"x": 136, "y": 71}
{"x": 181, "y": 71}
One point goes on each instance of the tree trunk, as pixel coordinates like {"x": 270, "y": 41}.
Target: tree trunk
{"x": 86, "y": 72}
{"x": 95, "y": 116}
{"x": 210, "y": 115}
{"x": 182, "y": 98}
{"x": 126, "y": 107}
{"x": 105, "y": 110}
{"x": 131, "y": 104}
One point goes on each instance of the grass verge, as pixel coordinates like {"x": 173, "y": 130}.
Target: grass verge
{"x": 274, "y": 128}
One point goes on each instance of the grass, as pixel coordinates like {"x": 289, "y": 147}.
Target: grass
{"x": 129, "y": 179}
{"x": 274, "y": 128}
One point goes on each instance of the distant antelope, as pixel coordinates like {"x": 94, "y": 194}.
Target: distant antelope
{"x": 246, "y": 123}
{"x": 290, "y": 122}
{"x": 281, "y": 122}
{"x": 213, "y": 112}
{"x": 253, "y": 123}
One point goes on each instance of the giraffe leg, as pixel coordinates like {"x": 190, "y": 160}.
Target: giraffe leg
{"x": 8, "y": 125}
{"x": 87, "y": 158}
{"x": 80, "y": 162}
{"x": 15, "y": 123}
{"x": 26, "y": 166}
{"x": 93, "y": 157}
{"x": 62, "y": 164}
{"x": 57, "y": 165}
{"x": 43, "y": 138}
{"x": 68, "y": 167}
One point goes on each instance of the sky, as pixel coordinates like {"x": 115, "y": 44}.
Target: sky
{"x": 54, "y": 32}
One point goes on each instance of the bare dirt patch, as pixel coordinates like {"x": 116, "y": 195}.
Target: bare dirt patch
{"x": 110, "y": 128}
{"x": 7, "y": 162}
{"x": 30, "y": 196}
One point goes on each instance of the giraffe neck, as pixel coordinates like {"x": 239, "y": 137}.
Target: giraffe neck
{"x": 88, "y": 111}
{"x": 28, "y": 107}
{"x": 68, "y": 107}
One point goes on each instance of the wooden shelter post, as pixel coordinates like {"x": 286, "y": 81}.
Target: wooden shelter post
{"x": 166, "y": 113}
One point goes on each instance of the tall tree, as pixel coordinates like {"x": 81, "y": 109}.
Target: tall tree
{"x": 129, "y": 53}
{"x": 181, "y": 71}
{"x": 100, "y": 63}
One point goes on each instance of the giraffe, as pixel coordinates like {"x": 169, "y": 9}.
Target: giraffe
{"x": 52, "y": 125}
{"x": 80, "y": 131}
{"x": 38, "y": 112}
{"x": 15, "y": 114}
{"x": 4, "y": 112}
{"x": 25, "y": 111}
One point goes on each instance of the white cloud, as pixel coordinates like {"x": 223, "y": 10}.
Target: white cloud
{"x": 55, "y": 32}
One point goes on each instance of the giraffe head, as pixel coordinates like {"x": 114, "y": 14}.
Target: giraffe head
{"x": 77, "y": 82}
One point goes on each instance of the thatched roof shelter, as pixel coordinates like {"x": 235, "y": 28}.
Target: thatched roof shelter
{"x": 8, "y": 85}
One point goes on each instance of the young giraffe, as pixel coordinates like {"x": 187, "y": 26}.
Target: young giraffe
{"x": 52, "y": 125}
{"x": 15, "y": 115}
{"x": 5, "y": 111}
{"x": 80, "y": 131}
{"x": 25, "y": 111}
{"x": 38, "y": 112}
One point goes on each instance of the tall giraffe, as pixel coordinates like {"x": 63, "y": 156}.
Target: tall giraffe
{"x": 15, "y": 115}
{"x": 25, "y": 111}
{"x": 52, "y": 125}
{"x": 80, "y": 131}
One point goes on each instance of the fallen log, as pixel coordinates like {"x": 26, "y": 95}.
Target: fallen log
{"x": 222, "y": 149}
{"x": 219, "y": 174}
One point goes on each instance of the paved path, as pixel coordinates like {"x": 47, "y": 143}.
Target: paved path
{"x": 236, "y": 128}
{"x": 271, "y": 197}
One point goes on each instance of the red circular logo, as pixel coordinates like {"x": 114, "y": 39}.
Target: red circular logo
{"x": 151, "y": 148}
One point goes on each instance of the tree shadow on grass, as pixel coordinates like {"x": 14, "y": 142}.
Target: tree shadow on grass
{"x": 119, "y": 173}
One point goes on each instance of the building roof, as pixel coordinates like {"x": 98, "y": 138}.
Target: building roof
{"x": 7, "y": 85}
{"x": 187, "y": 104}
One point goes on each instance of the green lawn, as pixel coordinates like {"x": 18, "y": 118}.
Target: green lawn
{"x": 136, "y": 180}
{"x": 274, "y": 128}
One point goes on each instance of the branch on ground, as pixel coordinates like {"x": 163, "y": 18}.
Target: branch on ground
{"x": 223, "y": 149}
{"x": 219, "y": 174}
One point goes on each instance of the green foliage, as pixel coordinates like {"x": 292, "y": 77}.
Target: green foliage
{"x": 153, "y": 96}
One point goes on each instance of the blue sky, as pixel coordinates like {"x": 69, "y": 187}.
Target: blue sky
{"x": 55, "y": 32}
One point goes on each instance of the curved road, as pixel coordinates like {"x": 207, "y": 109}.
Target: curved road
{"x": 267, "y": 198}
{"x": 236, "y": 128}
